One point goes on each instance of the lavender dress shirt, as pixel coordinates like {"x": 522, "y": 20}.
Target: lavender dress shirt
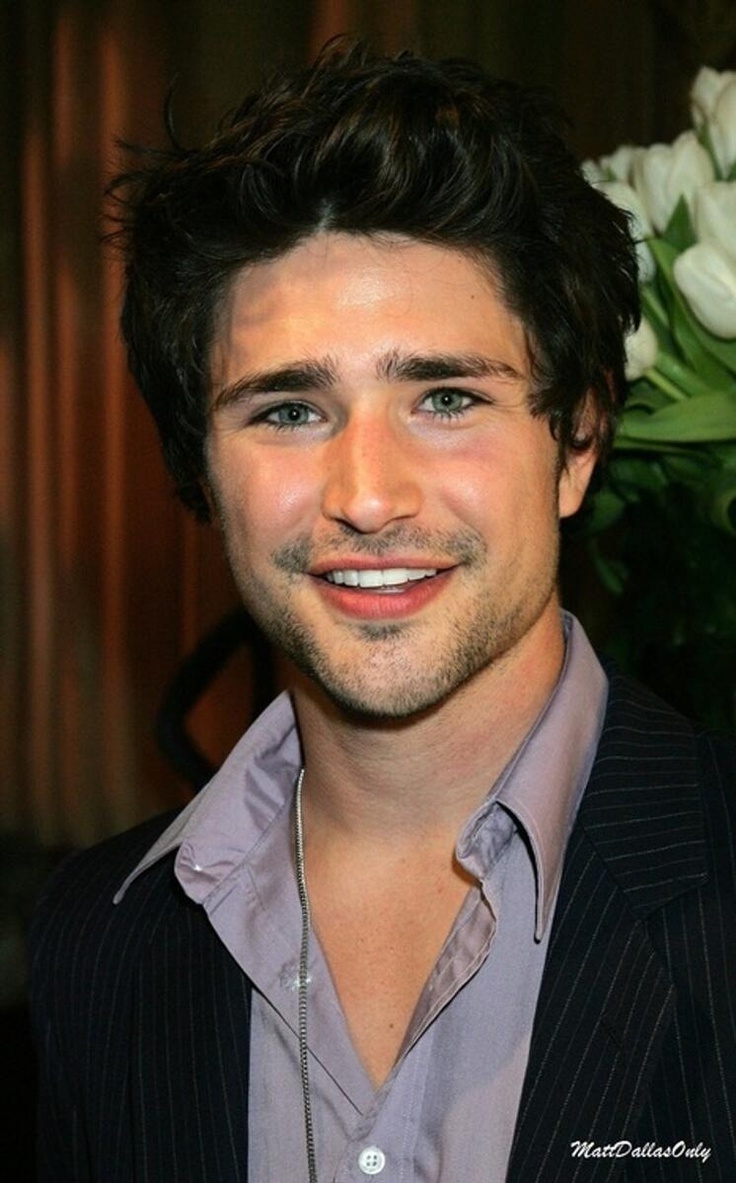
{"x": 448, "y": 1108}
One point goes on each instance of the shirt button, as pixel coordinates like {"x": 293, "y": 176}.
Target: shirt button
{"x": 372, "y": 1160}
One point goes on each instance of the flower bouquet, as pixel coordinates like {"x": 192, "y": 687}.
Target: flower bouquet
{"x": 662, "y": 527}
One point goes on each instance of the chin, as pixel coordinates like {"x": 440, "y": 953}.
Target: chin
{"x": 396, "y": 708}
{"x": 390, "y": 696}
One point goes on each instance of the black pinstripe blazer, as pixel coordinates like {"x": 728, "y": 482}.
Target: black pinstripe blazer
{"x": 142, "y": 1017}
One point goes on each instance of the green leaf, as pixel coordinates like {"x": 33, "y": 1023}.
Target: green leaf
{"x": 698, "y": 420}
{"x": 605, "y": 510}
{"x": 686, "y": 379}
{"x": 612, "y": 573}
{"x": 724, "y": 455}
{"x": 693, "y": 466}
{"x": 623, "y": 444}
{"x": 723, "y": 349}
{"x": 630, "y": 473}
{"x": 653, "y": 307}
{"x": 679, "y": 230}
{"x": 720, "y": 502}
{"x": 687, "y": 338}
{"x": 646, "y": 397}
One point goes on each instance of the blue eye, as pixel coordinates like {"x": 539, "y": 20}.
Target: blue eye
{"x": 289, "y": 415}
{"x": 448, "y": 403}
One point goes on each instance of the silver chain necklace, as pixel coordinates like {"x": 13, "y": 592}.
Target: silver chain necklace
{"x": 301, "y": 883}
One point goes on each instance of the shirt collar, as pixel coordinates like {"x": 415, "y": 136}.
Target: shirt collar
{"x": 218, "y": 828}
{"x": 543, "y": 783}
{"x": 541, "y": 787}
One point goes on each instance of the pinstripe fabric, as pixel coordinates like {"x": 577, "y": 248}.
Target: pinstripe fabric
{"x": 142, "y": 1020}
{"x": 634, "y": 1036}
{"x": 142, "y": 1016}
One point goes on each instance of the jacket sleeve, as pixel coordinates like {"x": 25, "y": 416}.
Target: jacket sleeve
{"x": 83, "y": 953}
{"x": 60, "y": 1135}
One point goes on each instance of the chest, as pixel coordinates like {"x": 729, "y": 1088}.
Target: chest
{"x": 462, "y": 1068}
{"x": 380, "y": 948}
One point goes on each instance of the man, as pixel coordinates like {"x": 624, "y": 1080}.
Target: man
{"x": 456, "y": 907}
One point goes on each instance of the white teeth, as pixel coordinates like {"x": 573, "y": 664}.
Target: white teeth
{"x": 385, "y": 577}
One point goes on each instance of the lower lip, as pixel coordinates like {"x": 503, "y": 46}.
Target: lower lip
{"x": 366, "y": 604}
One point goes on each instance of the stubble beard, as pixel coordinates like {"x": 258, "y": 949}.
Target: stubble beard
{"x": 386, "y": 684}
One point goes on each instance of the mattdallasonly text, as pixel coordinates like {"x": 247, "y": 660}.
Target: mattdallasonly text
{"x": 624, "y": 1149}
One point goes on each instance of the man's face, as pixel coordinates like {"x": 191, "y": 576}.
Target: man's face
{"x": 389, "y": 504}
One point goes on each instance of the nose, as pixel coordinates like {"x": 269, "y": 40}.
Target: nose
{"x": 371, "y": 476}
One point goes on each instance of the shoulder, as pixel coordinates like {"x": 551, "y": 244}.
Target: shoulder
{"x": 716, "y": 758}
{"x": 661, "y": 798}
{"x": 99, "y": 868}
{"x": 76, "y": 914}
{"x": 638, "y": 723}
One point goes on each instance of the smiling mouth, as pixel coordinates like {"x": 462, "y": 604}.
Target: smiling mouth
{"x": 387, "y": 578}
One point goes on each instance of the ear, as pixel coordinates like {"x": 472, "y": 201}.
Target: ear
{"x": 578, "y": 463}
{"x": 574, "y": 480}
{"x": 214, "y": 517}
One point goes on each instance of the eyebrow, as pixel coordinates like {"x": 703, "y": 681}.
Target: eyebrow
{"x": 440, "y": 366}
{"x": 301, "y": 377}
{"x": 296, "y": 378}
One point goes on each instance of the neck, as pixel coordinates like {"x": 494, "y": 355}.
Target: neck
{"x": 424, "y": 775}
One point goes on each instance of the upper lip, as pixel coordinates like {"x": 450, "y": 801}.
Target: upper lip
{"x": 367, "y": 563}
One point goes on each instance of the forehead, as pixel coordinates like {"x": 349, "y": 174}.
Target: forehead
{"x": 351, "y": 296}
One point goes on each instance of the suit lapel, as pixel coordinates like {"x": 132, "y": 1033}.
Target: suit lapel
{"x": 189, "y": 1054}
{"x": 606, "y": 999}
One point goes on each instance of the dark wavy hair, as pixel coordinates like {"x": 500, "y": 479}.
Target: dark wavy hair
{"x": 363, "y": 144}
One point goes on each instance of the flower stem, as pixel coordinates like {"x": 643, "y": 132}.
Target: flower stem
{"x": 685, "y": 379}
{"x": 654, "y": 376}
{"x": 653, "y": 306}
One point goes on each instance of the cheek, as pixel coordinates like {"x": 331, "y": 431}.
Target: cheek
{"x": 262, "y": 498}
{"x": 502, "y": 485}
{"x": 467, "y": 476}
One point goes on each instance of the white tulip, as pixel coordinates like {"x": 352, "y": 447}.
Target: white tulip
{"x": 706, "y": 91}
{"x": 723, "y": 127}
{"x": 713, "y": 101}
{"x": 707, "y": 280}
{"x": 665, "y": 172}
{"x": 642, "y": 348}
{"x": 614, "y": 167}
{"x": 618, "y": 164}
{"x": 714, "y": 216}
{"x": 592, "y": 171}
{"x": 626, "y": 198}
